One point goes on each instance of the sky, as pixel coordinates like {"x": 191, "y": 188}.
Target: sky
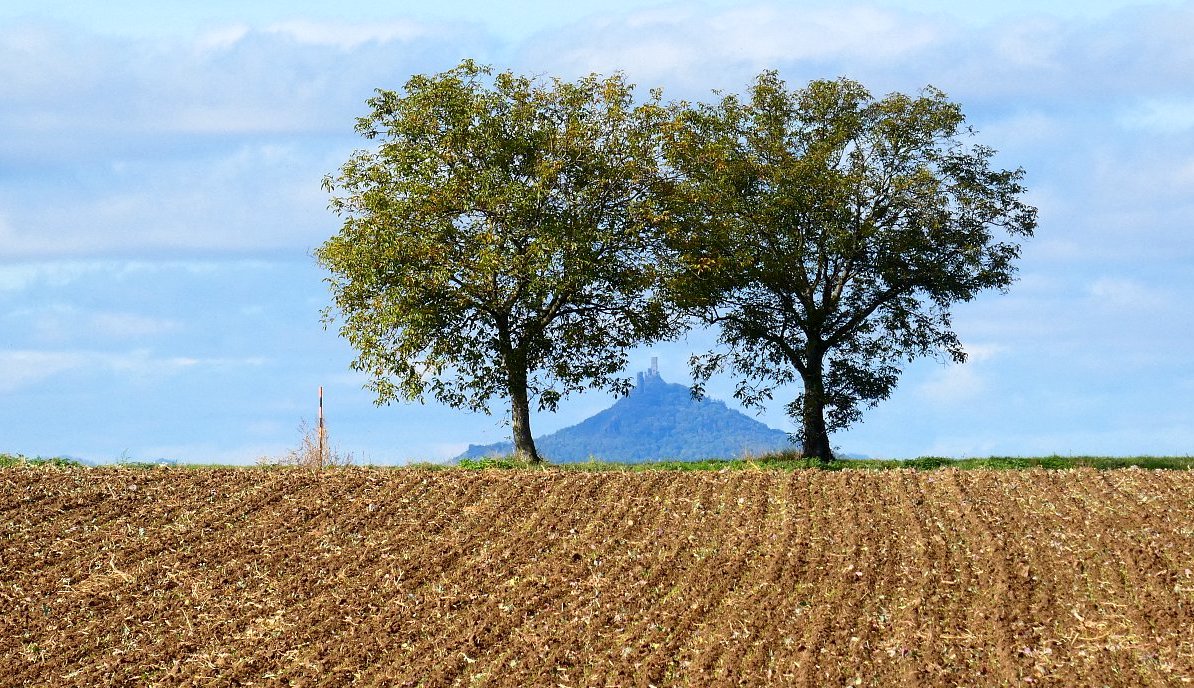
{"x": 160, "y": 169}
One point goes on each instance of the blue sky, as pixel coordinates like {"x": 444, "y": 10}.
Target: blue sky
{"x": 159, "y": 199}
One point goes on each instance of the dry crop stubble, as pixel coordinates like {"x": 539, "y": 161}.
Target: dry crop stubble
{"x": 506, "y": 578}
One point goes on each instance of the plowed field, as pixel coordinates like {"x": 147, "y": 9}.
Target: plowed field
{"x": 441, "y": 578}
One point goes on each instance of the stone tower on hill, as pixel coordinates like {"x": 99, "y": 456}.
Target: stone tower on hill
{"x": 652, "y": 372}
{"x": 657, "y": 421}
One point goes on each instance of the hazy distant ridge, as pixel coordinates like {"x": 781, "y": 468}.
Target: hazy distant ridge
{"x": 657, "y": 420}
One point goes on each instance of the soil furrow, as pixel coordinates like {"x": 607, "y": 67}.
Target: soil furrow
{"x": 506, "y": 578}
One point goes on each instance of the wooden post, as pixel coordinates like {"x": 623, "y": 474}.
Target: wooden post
{"x": 322, "y": 432}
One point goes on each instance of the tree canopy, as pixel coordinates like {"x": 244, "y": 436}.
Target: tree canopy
{"x": 826, "y": 234}
{"x": 514, "y": 237}
{"x": 498, "y": 240}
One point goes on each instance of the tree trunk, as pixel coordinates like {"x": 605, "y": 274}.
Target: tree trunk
{"x": 520, "y": 419}
{"x": 515, "y": 361}
{"x": 814, "y": 437}
{"x": 520, "y": 412}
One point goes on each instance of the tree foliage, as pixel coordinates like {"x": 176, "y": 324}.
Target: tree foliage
{"x": 826, "y": 234}
{"x": 498, "y": 240}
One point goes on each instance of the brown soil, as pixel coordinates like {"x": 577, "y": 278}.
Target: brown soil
{"x": 457, "y": 578}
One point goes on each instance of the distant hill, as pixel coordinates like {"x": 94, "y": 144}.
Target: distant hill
{"x": 658, "y": 420}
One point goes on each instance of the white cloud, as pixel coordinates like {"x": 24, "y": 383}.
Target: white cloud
{"x": 21, "y": 369}
{"x": 55, "y": 274}
{"x": 1024, "y": 129}
{"x": 1124, "y": 293}
{"x": 765, "y": 34}
{"x": 1165, "y": 116}
{"x": 1030, "y": 44}
{"x": 231, "y": 118}
{"x": 1183, "y": 176}
{"x": 69, "y": 94}
{"x": 252, "y": 198}
{"x": 222, "y": 38}
{"x": 17, "y": 242}
{"x": 165, "y": 148}
{"x": 58, "y": 323}
{"x": 20, "y": 277}
{"x": 698, "y": 47}
{"x": 24, "y": 369}
{"x": 976, "y": 353}
{"x": 348, "y": 36}
{"x": 951, "y": 383}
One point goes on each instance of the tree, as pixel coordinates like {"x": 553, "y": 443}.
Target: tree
{"x": 826, "y": 235}
{"x": 498, "y": 241}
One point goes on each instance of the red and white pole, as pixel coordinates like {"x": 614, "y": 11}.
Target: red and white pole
{"x": 322, "y": 434}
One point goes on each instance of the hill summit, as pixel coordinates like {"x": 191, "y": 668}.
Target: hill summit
{"x": 657, "y": 421}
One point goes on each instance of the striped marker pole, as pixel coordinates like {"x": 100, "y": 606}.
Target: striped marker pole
{"x": 322, "y": 434}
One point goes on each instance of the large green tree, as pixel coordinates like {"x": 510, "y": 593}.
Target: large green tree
{"x": 499, "y": 240}
{"x": 826, "y": 234}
